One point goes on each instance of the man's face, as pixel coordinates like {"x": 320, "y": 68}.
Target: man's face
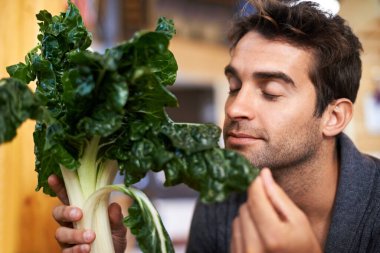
{"x": 269, "y": 113}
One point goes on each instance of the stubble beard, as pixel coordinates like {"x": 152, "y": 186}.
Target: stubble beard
{"x": 293, "y": 151}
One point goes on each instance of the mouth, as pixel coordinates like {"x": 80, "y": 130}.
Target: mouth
{"x": 239, "y": 138}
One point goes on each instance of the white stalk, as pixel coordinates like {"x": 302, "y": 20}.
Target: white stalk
{"x": 107, "y": 173}
{"x": 96, "y": 208}
{"x": 100, "y": 221}
{"x": 95, "y": 216}
{"x": 73, "y": 189}
{"x": 93, "y": 204}
{"x": 87, "y": 171}
{"x": 103, "y": 229}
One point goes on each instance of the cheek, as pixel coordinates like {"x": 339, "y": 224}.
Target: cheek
{"x": 290, "y": 116}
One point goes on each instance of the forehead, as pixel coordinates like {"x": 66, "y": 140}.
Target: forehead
{"x": 255, "y": 53}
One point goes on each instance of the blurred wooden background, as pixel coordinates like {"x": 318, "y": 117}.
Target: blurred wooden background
{"x": 26, "y": 224}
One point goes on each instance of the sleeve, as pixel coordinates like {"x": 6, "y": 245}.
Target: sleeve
{"x": 202, "y": 230}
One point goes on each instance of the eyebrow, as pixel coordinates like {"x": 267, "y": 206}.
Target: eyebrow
{"x": 229, "y": 70}
{"x": 274, "y": 75}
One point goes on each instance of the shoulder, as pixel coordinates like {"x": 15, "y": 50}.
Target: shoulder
{"x": 354, "y": 161}
{"x": 355, "y": 219}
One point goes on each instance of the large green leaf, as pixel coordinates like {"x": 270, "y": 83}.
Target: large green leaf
{"x": 17, "y": 103}
{"x": 202, "y": 165}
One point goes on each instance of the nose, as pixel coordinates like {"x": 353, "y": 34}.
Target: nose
{"x": 241, "y": 105}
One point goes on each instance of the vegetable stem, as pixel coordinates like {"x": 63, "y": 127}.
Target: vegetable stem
{"x": 73, "y": 188}
{"x": 96, "y": 210}
{"x": 107, "y": 173}
{"x": 95, "y": 206}
{"x": 87, "y": 171}
{"x": 95, "y": 217}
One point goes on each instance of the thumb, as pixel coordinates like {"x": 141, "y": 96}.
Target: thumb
{"x": 116, "y": 218}
{"x": 115, "y": 215}
{"x": 118, "y": 229}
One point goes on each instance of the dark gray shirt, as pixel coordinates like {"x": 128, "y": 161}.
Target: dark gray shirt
{"x": 355, "y": 225}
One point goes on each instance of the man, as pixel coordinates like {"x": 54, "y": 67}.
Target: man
{"x": 293, "y": 78}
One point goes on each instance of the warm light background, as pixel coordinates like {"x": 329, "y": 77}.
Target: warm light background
{"x": 26, "y": 225}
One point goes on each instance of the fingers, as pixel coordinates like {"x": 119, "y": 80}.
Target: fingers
{"x": 116, "y": 216}
{"x": 84, "y": 248}
{"x": 73, "y": 240}
{"x": 237, "y": 239}
{"x": 261, "y": 209}
{"x": 250, "y": 236}
{"x": 268, "y": 221}
{"x": 66, "y": 235}
{"x": 67, "y": 214}
{"x": 119, "y": 231}
{"x": 58, "y": 187}
{"x": 116, "y": 220}
{"x": 245, "y": 238}
{"x": 283, "y": 205}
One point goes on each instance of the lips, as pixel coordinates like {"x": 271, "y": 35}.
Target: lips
{"x": 240, "y": 135}
{"x": 240, "y": 138}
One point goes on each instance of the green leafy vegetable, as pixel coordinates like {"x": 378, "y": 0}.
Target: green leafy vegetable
{"x": 17, "y": 103}
{"x": 102, "y": 113}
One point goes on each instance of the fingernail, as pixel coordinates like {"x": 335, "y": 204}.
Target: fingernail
{"x": 88, "y": 236}
{"x": 74, "y": 213}
{"x": 85, "y": 248}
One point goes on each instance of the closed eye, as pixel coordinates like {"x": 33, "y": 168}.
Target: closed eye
{"x": 234, "y": 84}
{"x": 270, "y": 97}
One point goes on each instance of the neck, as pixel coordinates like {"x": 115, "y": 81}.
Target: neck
{"x": 312, "y": 187}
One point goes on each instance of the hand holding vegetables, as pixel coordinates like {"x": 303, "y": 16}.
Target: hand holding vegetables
{"x": 98, "y": 114}
{"x": 80, "y": 240}
{"x": 269, "y": 221}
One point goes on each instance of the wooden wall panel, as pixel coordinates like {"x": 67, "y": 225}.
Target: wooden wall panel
{"x": 26, "y": 224}
{"x": 363, "y": 17}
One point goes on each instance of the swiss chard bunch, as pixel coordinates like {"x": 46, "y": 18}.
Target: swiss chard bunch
{"x": 97, "y": 114}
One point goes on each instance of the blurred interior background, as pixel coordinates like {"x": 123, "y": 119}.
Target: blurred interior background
{"x": 201, "y": 50}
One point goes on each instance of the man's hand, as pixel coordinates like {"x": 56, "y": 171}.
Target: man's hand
{"x": 270, "y": 222}
{"x": 79, "y": 241}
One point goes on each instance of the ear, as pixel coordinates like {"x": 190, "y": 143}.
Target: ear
{"x": 336, "y": 117}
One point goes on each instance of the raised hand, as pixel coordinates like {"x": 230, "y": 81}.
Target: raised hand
{"x": 270, "y": 222}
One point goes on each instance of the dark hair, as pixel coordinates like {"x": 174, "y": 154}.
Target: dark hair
{"x": 337, "y": 67}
